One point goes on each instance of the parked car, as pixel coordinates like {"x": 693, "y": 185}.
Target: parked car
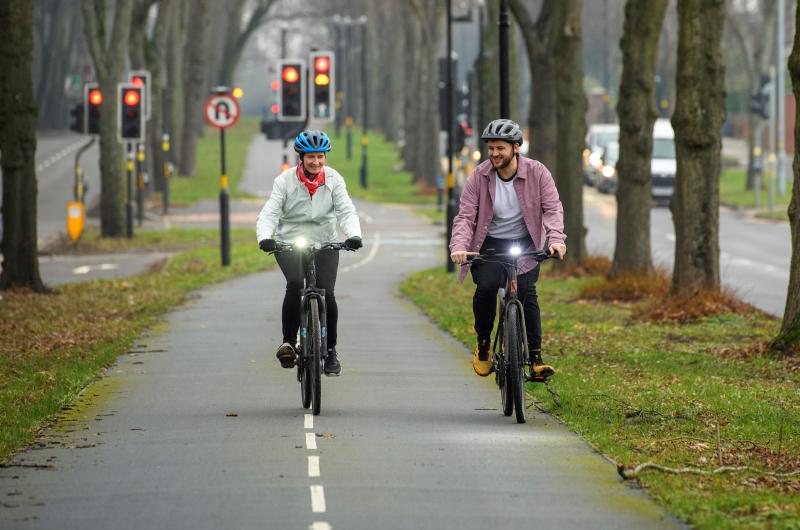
{"x": 663, "y": 164}
{"x": 598, "y": 136}
{"x": 607, "y": 171}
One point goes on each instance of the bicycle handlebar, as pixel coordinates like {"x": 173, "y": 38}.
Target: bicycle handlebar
{"x": 288, "y": 247}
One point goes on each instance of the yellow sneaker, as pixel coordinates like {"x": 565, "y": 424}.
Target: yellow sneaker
{"x": 540, "y": 372}
{"x": 482, "y": 367}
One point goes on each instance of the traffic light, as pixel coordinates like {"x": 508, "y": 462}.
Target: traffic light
{"x": 92, "y": 98}
{"x": 131, "y": 113}
{"x": 77, "y": 124}
{"x": 759, "y": 100}
{"x": 141, "y": 79}
{"x": 292, "y": 95}
{"x": 322, "y": 89}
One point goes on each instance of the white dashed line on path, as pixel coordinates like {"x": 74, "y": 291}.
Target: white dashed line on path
{"x": 320, "y": 525}
{"x": 317, "y": 499}
{"x": 308, "y": 422}
{"x": 311, "y": 440}
{"x": 371, "y": 256}
{"x": 313, "y": 466}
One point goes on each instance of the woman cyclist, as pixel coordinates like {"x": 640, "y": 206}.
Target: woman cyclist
{"x": 308, "y": 201}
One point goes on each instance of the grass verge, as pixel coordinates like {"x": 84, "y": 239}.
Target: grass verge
{"x": 54, "y": 344}
{"x": 696, "y": 394}
{"x": 732, "y": 193}
{"x": 386, "y": 180}
{"x": 205, "y": 183}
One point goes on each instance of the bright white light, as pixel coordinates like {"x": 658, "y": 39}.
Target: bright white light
{"x": 594, "y": 159}
{"x": 515, "y": 251}
{"x": 300, "y": 242}
{"x": 608, "y": 171}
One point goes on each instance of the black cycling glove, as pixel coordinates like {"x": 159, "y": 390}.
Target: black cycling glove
{"x": 353, "y": 243}
{"x": 268, "y": 245}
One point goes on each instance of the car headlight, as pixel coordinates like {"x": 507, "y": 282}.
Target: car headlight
{"x": 608, "y": 171}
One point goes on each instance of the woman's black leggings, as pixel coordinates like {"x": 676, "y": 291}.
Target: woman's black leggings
{"x": 327, "y": 262}
{"x": 489, "y": 277}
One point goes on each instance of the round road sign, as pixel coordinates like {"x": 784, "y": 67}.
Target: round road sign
{"x": 222, "y": 110}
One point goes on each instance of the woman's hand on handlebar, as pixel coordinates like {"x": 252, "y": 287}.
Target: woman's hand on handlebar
{"x": 268, "y": 245}
{"x": 460, "y": 257}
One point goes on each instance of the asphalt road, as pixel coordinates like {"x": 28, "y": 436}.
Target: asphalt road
{"x": 754, "y": 255}
{"x": 198, "y": 427}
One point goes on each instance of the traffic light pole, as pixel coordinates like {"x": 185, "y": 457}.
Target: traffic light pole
{"x": 365, "y": 99}
{"x": 504, "y": 84}
{"x": 224, "y": 205}
{"x": 129, "y": 186}
{"x": 448, "y": 113}
{"x": 140, "y": 184}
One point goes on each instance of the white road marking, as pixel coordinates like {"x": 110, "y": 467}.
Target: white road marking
{"x": 320, "y": 525}
{"x": 83, "y": 269}
{"x": 670, "y": 237}
{"x": 58, "y": 156}
{"x": 317, "y": 499}
{"x": 308, "y": 422}
{"x": 313, "y": 466}
{"x": 108, "y": 266}
{"x": 371, "y": 256}
{"x": 311, "y": 440}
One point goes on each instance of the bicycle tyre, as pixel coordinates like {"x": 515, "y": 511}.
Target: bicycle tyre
{"x": 303, "y": 366}
{"x": 506, "y": 397}
{"x": 315, "y": 359}
{"x": 514, "y": 362}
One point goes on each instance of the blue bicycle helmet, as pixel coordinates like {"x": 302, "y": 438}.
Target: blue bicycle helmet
{"x": 312, "y": 141}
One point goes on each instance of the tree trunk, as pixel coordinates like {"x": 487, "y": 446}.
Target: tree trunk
{"x": 173, "y": 94}
{"x": 699, "y": 114}
{"x": 637, "y": 112}
{"x": 196, "y": 88}
{"x": 788, "y": 340}
{"x": 18, "y": 148}
{"x": 110, "y": 57}
{"x": 571, "y": 120}
{"x": 539, "y": 38}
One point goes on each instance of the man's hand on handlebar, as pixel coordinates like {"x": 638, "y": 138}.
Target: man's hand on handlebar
{"x": 559, "y": 249}
{"x": 268, "y": 245}
{"x": 460, "y": 256}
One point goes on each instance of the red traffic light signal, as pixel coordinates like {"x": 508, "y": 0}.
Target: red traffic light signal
{"x": 290, "y": 74}
{"x": 132, "y": 98}
{"x": 322, "y": 91}
{"x": 137, "y": 81}
{"x": 93, "y": 99}
{"x": 130, "y": 111}
{"x": 292, "y": 93}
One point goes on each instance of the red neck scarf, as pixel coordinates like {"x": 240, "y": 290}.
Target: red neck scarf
{"x": 311, "y": 185}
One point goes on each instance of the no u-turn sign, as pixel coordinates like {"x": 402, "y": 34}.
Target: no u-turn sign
{"x": 222, "y": 110}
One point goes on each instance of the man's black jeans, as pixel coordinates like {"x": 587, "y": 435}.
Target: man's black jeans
{"x": 327, "y": 262}
{"x": 489, "y": 277}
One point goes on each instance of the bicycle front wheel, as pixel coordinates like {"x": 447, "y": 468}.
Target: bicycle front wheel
{"x": 503, "y": 377}
{"x": 315, "y": 357}
{"x": 514, "y": 361}
{"x": 303, "y": 366}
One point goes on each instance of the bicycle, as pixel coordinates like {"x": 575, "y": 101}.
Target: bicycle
{"x": 312, "y": 345}
{"x": 509, "y": 361}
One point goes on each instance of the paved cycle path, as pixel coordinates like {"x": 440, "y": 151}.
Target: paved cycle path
{"x": 198, "y": 427}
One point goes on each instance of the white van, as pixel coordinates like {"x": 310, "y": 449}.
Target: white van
{"x": 663, "y": 164}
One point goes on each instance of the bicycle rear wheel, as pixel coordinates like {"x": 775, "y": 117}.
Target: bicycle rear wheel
{"x": 514, "y": 361}
{"x": 315, "y": 358}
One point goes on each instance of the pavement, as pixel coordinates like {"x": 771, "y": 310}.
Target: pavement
{"x": 198, "y": 427}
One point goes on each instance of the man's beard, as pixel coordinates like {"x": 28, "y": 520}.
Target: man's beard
{"x": 503, "y": 163}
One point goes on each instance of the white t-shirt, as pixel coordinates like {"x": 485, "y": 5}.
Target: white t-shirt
{"x": 507, "y": 222}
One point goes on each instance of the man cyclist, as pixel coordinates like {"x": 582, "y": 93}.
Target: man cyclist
{"x": 307, "y": 201}
{"x": 507, "y": 201}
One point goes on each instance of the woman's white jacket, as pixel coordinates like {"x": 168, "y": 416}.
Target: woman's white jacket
{"x": 290, "y": 211}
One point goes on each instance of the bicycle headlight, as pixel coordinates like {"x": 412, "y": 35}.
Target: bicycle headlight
{"x": 300, "y": 242}
{"x": 515, "y": 251}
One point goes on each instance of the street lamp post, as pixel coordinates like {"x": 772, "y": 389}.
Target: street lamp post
{"x": 505, "y": 111}
{"x": 365, "y": 102}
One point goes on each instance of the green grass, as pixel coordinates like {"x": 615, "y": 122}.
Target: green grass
{"x": 386, "y": 180}
{"x": 658, "y": 392}
{"x": 205, "y": 183}
{"x": 732, "y": 192}
{"x": 55, "y": 344}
